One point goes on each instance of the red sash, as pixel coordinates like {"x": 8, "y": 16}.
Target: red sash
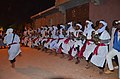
{"x": 67, "y": 40}
{"x": 80, "y": 54}
{"x": 48, "y": 40}
{"x": 96, "y": 49}
{"x": 53, "y": 39}
{"x": 35, "y": 39}
{"x": 60, "y": 49}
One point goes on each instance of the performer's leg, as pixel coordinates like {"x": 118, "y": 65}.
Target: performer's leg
{"x": 77, "y": 55}
{"x": 118, "y": 55}
{"x": 116, "y": 60}
{"x": 102, "y": 68}
{"x": 109, "y": 57}
{"x": 89, "y": 58}
{"x": 70, "y": 54}
{"x": 13, "y": 63}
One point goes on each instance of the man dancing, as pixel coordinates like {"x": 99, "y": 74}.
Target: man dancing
{"x": 12, "y": 40}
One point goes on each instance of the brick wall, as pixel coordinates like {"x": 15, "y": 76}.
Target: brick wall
{"x": 52, "y": 19}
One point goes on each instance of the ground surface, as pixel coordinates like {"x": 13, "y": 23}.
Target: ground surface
{"x": 34, "y": 64}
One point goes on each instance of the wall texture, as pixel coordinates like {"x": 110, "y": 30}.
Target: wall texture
{"x": 52, "y": 19}
{"x": 108, "y": 10}
{"x": 79, "y": 13}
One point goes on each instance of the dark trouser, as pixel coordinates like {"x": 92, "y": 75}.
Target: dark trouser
{"x": 116, "y": 60}
{"x": 89, "y": 58}
{"x": 12, "y": 61}
{"x": 77, "y": 48}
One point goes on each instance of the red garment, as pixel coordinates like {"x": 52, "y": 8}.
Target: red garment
{"x": 60, "y": 50}
{"x": 35, "y": 39}
{"x": 48, "y": 40}
{"x": 96, "y": 49}
{"x": 67, "y": 40}
{"x": 80, "y": 54}
{"x": 52, "y": 39}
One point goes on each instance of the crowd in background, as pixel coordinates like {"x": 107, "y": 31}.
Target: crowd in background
{"x": 92, "y": 42}
{"x": 72, "y": 40}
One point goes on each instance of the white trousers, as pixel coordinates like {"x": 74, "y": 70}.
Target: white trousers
{"x": 109, "y": 57}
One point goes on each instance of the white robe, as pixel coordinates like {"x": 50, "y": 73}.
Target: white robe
{"x": 66, "y": 47}
{"x": 76, "y": 44}
{"x": 15, "y": 48}
{"x": 99, "y": 59}
{"x": 89, "y": 48}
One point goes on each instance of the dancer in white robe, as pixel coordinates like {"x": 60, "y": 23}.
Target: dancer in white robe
{"x": 60, "y": 38}
{"x": 66, "y": 46}
{"x": 12, "y": 40}
{"x": 54, "y": 39}
{"x": 78, "y": 42}
{"x": 101, "y": 50}
{"x": 88, "y": 45}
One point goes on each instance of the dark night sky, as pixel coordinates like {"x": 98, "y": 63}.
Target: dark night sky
{"x": 16, "y": 11}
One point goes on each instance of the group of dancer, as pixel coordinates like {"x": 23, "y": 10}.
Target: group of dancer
{"x": 72, "y": 40}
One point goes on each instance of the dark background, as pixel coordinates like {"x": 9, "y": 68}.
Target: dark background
{"x": 18, "y": 11}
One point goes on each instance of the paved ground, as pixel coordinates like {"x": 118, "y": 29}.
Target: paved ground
{"x": 36, "y": 64}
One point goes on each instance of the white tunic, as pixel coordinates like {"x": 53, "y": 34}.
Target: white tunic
{"x": 89, "y": 48}
{"x": 14, "y": 48}
{"x": 99, "y": 59}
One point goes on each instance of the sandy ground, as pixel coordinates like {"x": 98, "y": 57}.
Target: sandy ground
{"x": 34, "y": 64}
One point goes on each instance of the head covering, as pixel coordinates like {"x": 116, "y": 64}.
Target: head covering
{"x": 45, "y": 28}
{"x": 62, "y": 26}
{"x": 117, "y": 22}
{"x": 89, "y": 23}
{"x": 70, "y": 23}
{"x": 89, "y": 26}
{"x": 103, "y": 28}
{"x": 79, "y": 25}
{"x": 9, "y": 31}
{"x": 55, "y": 28}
